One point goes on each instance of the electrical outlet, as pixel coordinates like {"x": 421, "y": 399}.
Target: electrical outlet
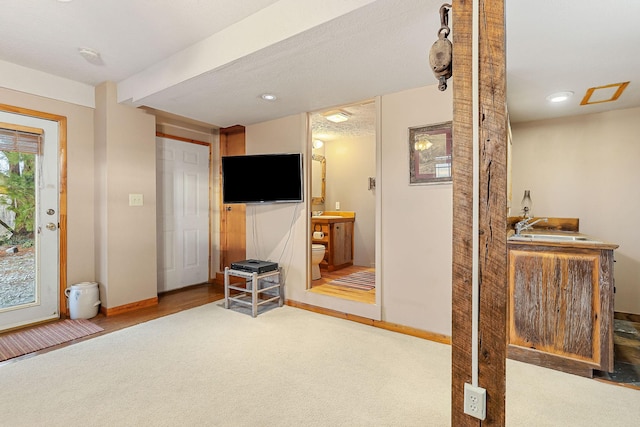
{"x": 475, "y": 401}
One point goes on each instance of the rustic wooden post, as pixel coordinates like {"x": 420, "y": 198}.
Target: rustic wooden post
{"x": 492, "y": 209}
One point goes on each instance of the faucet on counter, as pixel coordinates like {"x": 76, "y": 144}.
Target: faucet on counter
{"x": 525, "y": 224}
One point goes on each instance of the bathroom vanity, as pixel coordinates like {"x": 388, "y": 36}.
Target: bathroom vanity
{"x": 337, "y": 236}
{"x": 561, "y": 294}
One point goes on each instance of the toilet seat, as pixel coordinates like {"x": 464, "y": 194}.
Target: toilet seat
{"x": 317, "y": 255}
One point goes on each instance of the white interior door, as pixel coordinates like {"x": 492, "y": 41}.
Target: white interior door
{"x": 40, "y": 276}
{"x": 183, "y": 213}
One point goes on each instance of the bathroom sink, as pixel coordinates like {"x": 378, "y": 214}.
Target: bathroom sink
{"x": 326, "y": 217}
{"x": 552, "y": 237}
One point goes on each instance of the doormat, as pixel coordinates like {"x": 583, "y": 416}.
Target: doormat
{"x": 363, "y": 280}
{"x": 23, "y": 342}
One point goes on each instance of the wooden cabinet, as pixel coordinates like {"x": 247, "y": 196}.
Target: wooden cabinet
{"x": 340, "y": 253}
{"x": 338, "y": 240}
{"x": 561, "y": 306}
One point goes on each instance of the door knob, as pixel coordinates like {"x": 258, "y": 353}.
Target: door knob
{"x": 51, "y": 226}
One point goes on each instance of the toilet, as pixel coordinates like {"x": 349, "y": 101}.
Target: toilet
{"x": 317, "y": 255}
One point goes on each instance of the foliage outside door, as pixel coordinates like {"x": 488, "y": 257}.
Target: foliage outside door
{"x": 29, "y": 209}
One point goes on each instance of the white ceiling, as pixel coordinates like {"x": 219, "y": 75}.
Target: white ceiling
{"x": 210, "y": 60}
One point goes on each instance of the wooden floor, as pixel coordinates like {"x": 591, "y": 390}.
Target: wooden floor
{"x": 626, "y": 353}
{"x": 322, "y": 286}
{"x": 168, "y": 303}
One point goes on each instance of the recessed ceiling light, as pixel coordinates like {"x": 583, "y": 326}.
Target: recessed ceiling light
{"x": 90, "y": 55}
{"x": 268, "y": 97}
{"x": 559, "y": 96}
{"x": 337, "y": 116}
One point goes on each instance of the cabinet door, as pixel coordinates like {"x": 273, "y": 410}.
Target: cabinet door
{"x": 337, "y": 239}
{"x": 341, "y": 241}
{"x": 554, "y": 303}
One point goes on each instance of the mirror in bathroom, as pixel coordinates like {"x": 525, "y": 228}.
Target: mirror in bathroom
{"x": 318, "y": 179}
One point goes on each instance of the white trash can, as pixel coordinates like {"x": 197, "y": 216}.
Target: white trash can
{"x": 84, "y": 299}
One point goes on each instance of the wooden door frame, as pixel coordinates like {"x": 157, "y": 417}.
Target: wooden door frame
{"x": 62, "y": 195}
{"x": 492, "y": 271}
{"x": 224, "y": 135}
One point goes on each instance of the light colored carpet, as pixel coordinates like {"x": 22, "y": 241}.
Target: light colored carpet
{"x": 287, "y": 367}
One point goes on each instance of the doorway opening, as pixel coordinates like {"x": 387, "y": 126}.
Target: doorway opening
{"x": 343, "y": 202}
{"x": 34, "y": 216}
{"x": 183, "y": 212}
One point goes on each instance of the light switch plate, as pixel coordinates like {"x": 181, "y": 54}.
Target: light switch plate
{"x": 135, "y": 200}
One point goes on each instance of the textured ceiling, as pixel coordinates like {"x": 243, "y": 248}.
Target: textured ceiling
{"x": 131, "y": 35}
{"x": 209, "y": 61}
{"x": 362, "y": 122}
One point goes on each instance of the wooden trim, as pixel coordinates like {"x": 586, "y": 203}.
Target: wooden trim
{"x": 608, "y": 381}
{"x": 604, "y": 321}
{"x": 62, "y": 217}
{"x": 112, "y": 311}
{"x": 211, "y": 206}
{"x": 415, "y": 332}
{"x": 576, "y": 367}
{"x": 232, "y": 129}
{"x": 179, "y": 138}
{"x": 407, "y": 330}
{"x": 20, "y": 128}
{"x": 62, "y": 201}
{"x": 33, "y": 113}
{"x": 24, "y": 327}
{"x": 344, "y": 214}
{"x": 232, "y": 142}
{"x": 626, "y": 316}
{"x": 492, "y": 203}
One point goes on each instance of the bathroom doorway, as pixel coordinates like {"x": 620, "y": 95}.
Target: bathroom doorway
{"x": 343, "y": 173}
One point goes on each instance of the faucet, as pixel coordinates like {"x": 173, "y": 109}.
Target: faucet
{"x": 525, "y": 224}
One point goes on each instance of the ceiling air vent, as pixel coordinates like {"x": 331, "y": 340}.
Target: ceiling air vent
{"x": 599, "y": 94}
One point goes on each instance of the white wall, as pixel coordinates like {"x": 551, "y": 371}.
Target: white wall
{"x": 65, "y": 91}
{"x": 416, "y": 219}
{"x": 125, "y": 240}
{"x": 277, "y": 232}
{"x": 118, "y": 140}
{"x": 80, "y": 166}
{"x": 586, "y": 167}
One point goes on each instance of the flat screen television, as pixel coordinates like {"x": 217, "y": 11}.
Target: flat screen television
{"x": 262, "y": 178}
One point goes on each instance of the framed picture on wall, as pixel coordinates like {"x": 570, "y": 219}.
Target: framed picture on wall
{"x": 430, "y": 154}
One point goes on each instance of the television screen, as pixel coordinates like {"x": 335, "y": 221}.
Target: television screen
{"x": 262, "y": 178}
